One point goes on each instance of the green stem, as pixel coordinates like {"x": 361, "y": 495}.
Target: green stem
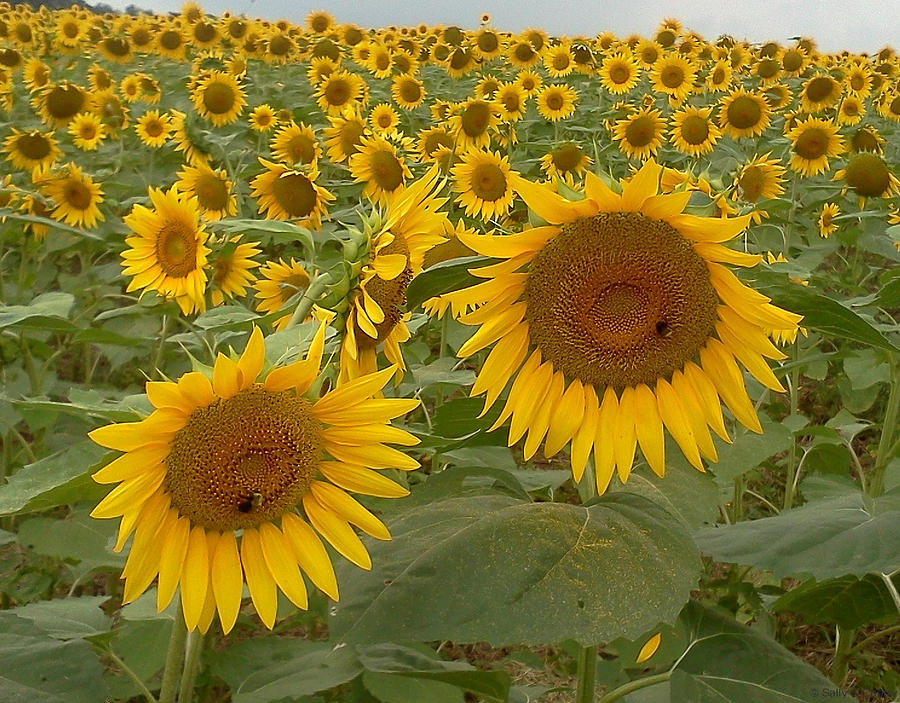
{"x": 843, "y": 646}
{"x": 587, "y": 670}
{"x": 885, "y": 448}
{"x": 862, "y": 644}
{"x": 135, "y": 679}
{"x": 312, "y": 294}
{"x": 34, "y": 377}
{"x": 794, "y": 391}
{"x": 191, "y": 667}
{"x": 174, "y": 658}
{"x": 737, "y": 501}
{"x": 157, "y": 358}
{"x": 636, "y": 685}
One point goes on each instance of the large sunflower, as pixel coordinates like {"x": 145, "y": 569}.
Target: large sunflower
{"x": 233, "y": 480}
{"x": 399, "y": 237}
{"x": 285, "y": 193}
{"x": 813, "y": 142}
{"x": 379, "y": 167}
{"x": 219, "y": 98}
{"x": 296, "y": 145}
{"x": 641, "y": 134}
{"x": 167, "y": 252}
{"x": 617, "y": 320}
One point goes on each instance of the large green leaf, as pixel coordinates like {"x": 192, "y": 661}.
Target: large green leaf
{"x": 495, "y": 568}
{"x": 271, "y": 669}
{"x": 830, "y": 317}
{"x": 37, "y": 667}
{"x": 828, "y": 538}
{"x": 442, "y": 278}
{"x": 65, "y": 618}
{"x": 279, "y": 232}
{"x": 47, "y": 311}
{"x": 749, "y": 450}
{"x": 59, "y": 479}
{"x": 847, "y": 601}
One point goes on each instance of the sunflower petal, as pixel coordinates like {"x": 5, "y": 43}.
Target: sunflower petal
{"x": 195, "y": 577}
{"x": 260, "y": 582}
{"x": 227, "y": 580}
{"x": 310, "y": 554}
{"x": 282, "y": 565}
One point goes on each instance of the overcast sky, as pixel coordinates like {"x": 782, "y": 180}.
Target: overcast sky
{"x": 854, "y": 25}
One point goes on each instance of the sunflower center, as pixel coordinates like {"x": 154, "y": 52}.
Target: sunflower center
{"x": 218, "y": 98}
{"x": 850, "y": 108}
{"x": 819, "y": 89}
{"x": 718, "y": 76}
{"x": 170, "y": 40}
{"x": 10, "y": 58}
{"x": 767, "y": 68}
{"x": 204, "y": 32}
{"x": 410, "y": 91}
{"x": 640, "y": 132}
{"x": 895, "y": 106}
{"x": 141, "y": 37}
{"x": 295, "y": 193}
{"x": 154, "y": 128}
{"x": 176, "y": 249}
{"x": 211, "y": 192}
{"x": 117, "y": 46}
{"x": 33, "y": 146}
{"x": 243, "y": 461}
{"x": 812, "y": 144}
{"x": 619, "y": 74}
{"x": 694, "y": 129}
{"x": 78, "y": 195}
{"x": 561, "y": 61}
{"x": 868, "y": 175}
{"x": 70, "y": 29}
{"x": 672, "y": 76}
{"x": 337, "y": 92}
{"x": 88, "y": 130}
{"x": 792, "y": 60}
{"x": 476, "y": 118}
{"x": 857, "y": 81}
{"x": 351, "y": 135}
{"x": 864, "y": 140}
{"x": 64, "y": 102}
{"x": 488, "y": 42}
{"x": 386, "y": 170}
{"x": 566, "y": 157}
{"x": 554, "y": 100}
{"x": 523, "y": 52}
{"x": 751, "y": 181}
{"x": 280, "y": 45}
{"x": 488, "y": 182}
{"x": 301, "y": 149}
{"x": 744, "y": 112}
{"x": 619, "y": 299}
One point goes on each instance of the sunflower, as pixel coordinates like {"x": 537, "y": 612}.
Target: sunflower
{"x": 279, "y": 283}
{"x": 219, "y": 98}
{"x": 285, "y": 193}
{"x": 556, "y": 102}
{"x": 211, "y": 188}
{"x": 340, "y": 91}
{"x": 87, "y": 131}
{"x": 867, "y": 175}
{"x": 36, "y": 74}
{"x": 170, "y": 42}
{"x": 488, "y": 44}
{"x": 483, "y": 180}
{"x": 201, "y": 474}
{"x": 851, "y": 111}
{"x": 760, "y": 179}
{"x": 777, "y": 96}
{"x": 743, "y": 114}
{"x": 262, "y": 118}
{"x": 344, "y": 136}
{"x": 529, "y": 81}
{"x": 130, "y": 88}
{"x": 399, "y": 238}
{"x": 431, "y": 140}
{"x": 279, "y": 49}
{"x": 647, "y": 52}
{"x": 768, "y": 70}
{"x": 522, "y": 54}
{"x": 59, "y": 103}
{"x": 384, "y": 120}
{"x": 408, "y": 91}
{"x": 858, "y": 81}
{"x": 167, "y": 251}
{"x": 511, "y": 100}
{"x": 30, "y": 151}
{"x": 607, "y": 310}
{"x": 565, "y": 161}
{"x": 693, "y": 132}
{"x": 813, "y": 142}
{"x": 866, "y": 138}
{"x": 674, "y": 76}
{"x": 889, "y": 105}
{"x": 379, "y": 62}
{"x": 378, "y": 166}
{"x": 473, "y": 122}
{"x": 153, "y": 128}
{"x": 641, "y": 134}
{"x": 819, "y": 93}
{"x": 115, "y": 49}
{"x": 827, "y": 225}
{"x": 232, "y": 269}
{"x": 558, "y": 60}
{"x": 719, "y": 77}
{"x": 320, "y": 22}
{"x": 619, "y": 73}
{"x": 75, "y": 196}
{"x": 296, "y": 145}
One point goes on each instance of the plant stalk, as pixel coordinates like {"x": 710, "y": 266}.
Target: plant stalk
{"x": 587, "y": 670}
{"x": 636, "y": 685}
{"x": 891, "y": 417}
{"x": 191, "y": 667}
{"x": 174, "y": 658}
{"x": 309, "y": 298}
{"x": 843, "y": 647}
{"x": 794, "y": 395}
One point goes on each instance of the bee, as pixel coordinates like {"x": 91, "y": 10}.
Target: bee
{"x": 663, "y": 329}
{"x": 250, "y": 502}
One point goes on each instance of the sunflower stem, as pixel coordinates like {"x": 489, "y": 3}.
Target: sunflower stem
{"x": 794, "y": 395}
{"x": 135, "y": 679}
{"x": 310, "y": 297}
{"x": 636, "y": 685}
{"x": 157, "y": 357}
{"x": 174, "y": 658}
{"x": 191, "y": 667}
{"x": 843, "y": 647}
{"x": 587, "y": 669}
{"x": 886, "y": 448}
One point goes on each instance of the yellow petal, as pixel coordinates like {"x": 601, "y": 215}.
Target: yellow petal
{"x": 376, "y": 410}
{"x": 709, "y": 229}
{"x": 503, "y": 361}
{"x": 389, "y": 266}
{"x": 251, "y": 361}
{"x": 334, "y": 499}
{"x": 260, "y": 582}
{"x": 709, "y": 398}
{"x": 565, "y": 419}
{"x": 227, "y": 580}
{"x": 132, "y": 464}
{"x": 595, "y": 189}
{"x": 695, "y": 415}
{"x": 722, "y": 370}
{"x": 163, "y": 394}
{"x": 369, "y": 434}
{"x": 374, "y": 456}
{"x": 662, "y": 207}
{"x": 649, "y": 648}
{"x": 624, "y": 438}
{"x": 279, "y": 558}
{"x": 510, "y": 245}
{"x": 310, "y": 554}
{"x": 649, "y": 430}
{"x": 750, "y": 335}
{"x": 337, "y": 532}
{"x": 196, "y": 389}
{"x": 351, "y": 393}
{"x": 493, "y": 329}
{"x": 541, "y": 421}
{"x": 548, "y": 205}
{"x": 128, "y": 495}
{"x": 195, "y": 577}
{"x": 522, "y": 380}
{"x": 171, "y": 562}
{"x": 359, "y": 479}
{"x": 673, "y": 415}
{"x": 527, "y": 401}
{"x": 718, "y": 253}
{"x": 644, "y": 184}
{"x": 604, "y": 442}
{"x": 753, "y": 362}
{"x": 226, "y": 377}
{"x": 583, "y": 441}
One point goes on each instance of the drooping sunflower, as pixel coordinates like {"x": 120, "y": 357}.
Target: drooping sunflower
{"x": 219, "y": 98}
{"x": 693, "y": 131}
{"x": 889, "y": 105}
{"x": 617, "y": 321}
{"x": 213, "y": 502}
{"x": 344, "y": 137}
{"x": 399, "y": 237}
{"x": 674, "y": 76}
{"x": 232, "y": 269}
{"x": 619, "y": 73}
{"x": 36, "y": 74}
{"x": 188, "y": 139}
{"x": 556, "y": 101}
{"x": 153, "y": 128}
{"x": 212, "y": 189}
{"x": 743, "y": 114}
{"x": 813, "y": 142}
{"x": 285, "y": 193}
{"x": 641, "y": 134}
{"x": 760, "y": 179}
{"x": 867, "y": 175}
{"x": 167, "y": 250}
{"x": 866, "y": 138}
{"x": 483, "y": 180}
{"x": 279, "y": 282}
{"x": 487, "y": 87}
{"x": 827, "y": 225}
{"x": 30, "y": 151}
{"x": 87, "y": 131}
{"x": 565, "y": 161}
{"x": 75, "y": 196}
{"x": 378, "y": 165}
{"x": 59, "y": 103}
{"x": 296, "y": 145}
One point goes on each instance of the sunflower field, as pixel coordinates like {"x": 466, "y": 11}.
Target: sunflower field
{"x": 432, "y": 365}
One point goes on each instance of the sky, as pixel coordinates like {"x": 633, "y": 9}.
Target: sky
{"x": 852, "y": 25}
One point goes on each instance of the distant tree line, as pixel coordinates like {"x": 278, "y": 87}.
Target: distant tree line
{"x": 99, "y": 8}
